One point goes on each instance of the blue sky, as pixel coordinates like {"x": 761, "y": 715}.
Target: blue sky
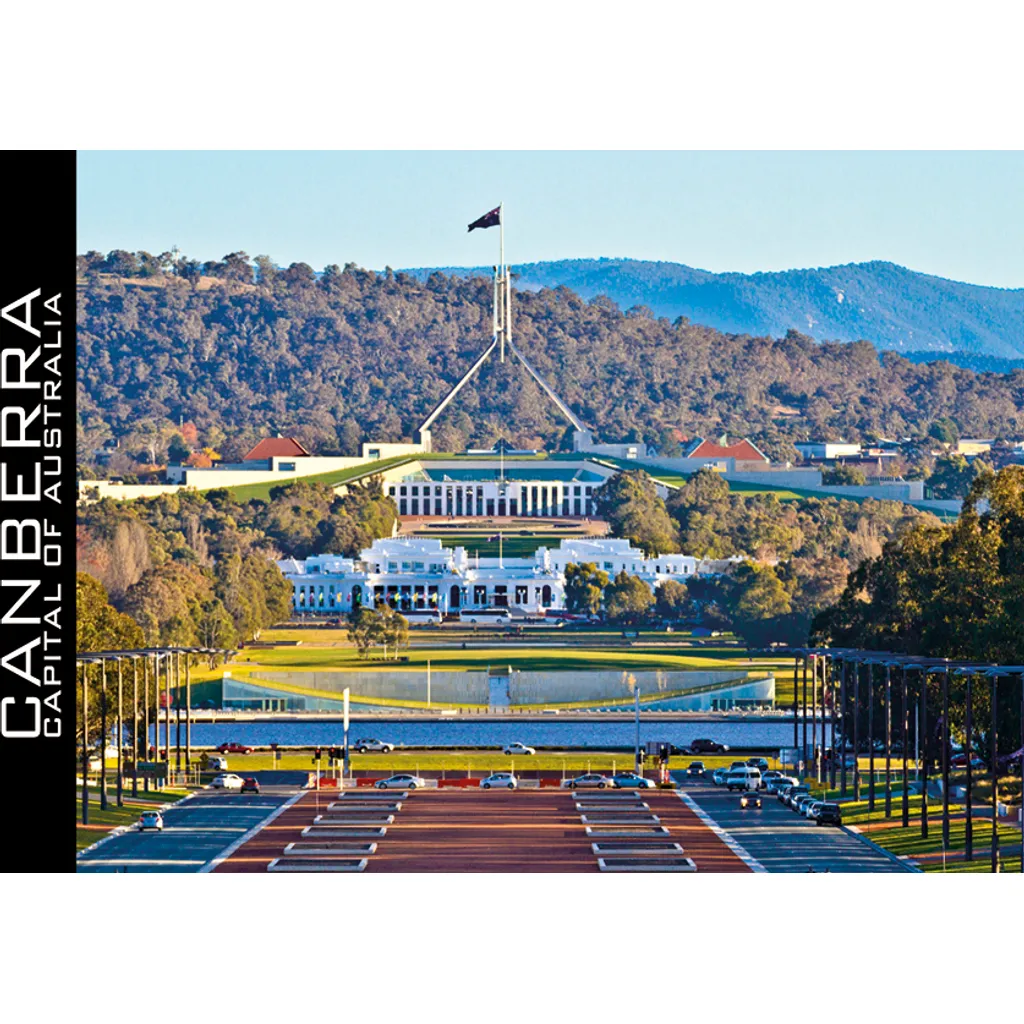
{"x": 955, "y": 214}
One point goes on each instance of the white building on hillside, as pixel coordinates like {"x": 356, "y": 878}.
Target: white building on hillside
{"x": 418, "y": 573}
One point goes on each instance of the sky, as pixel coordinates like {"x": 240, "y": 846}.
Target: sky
{"x": 958, "y": 215}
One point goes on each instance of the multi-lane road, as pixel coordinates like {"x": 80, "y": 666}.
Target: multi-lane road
{"x": 780, "y": 840}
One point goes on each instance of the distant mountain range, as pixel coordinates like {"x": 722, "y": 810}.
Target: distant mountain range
{"x": 920, "y": 316}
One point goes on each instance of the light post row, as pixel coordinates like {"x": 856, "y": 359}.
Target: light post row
{"x": 943, "y": 667}
{"x": 149, "y": 655}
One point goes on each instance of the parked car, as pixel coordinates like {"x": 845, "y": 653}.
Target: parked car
{"x": 695, "y": 769}
{"x": 708, "y": 747}
{"x": 774, "y": 785}
{"x": 810, "y": 809}
{"x": 519, "y": 749}
{"x": 588, "y": 781}
{"x": 366, "y": 746}
{"x": 250, "y": 785}
{"x": 795, "y": 793}
{"x": 214, "y": 763}
{"x": 718, "y": 776}
{"x": 630, "y": 780}
{"x": 829, "y": 814}
{"x": 504, "y": 780}
{"x": 227, "y": 781}
{"x": 401, "y": 782}
{"x": 759, "y": 763}
{"x": 743, "y": 778}
{"x": 752, "y": 799}
{"x": 234, "y": 748}
{"x": 800, "y": 804}
{"x": 151, "y": 819}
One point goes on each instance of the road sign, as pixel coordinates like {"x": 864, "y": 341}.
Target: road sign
{"x": 154, "y": 769}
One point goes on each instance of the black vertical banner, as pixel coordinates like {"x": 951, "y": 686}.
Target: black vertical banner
{"x": 37, "y": 499}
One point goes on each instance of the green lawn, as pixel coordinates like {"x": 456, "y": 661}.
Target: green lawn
{"x": 338, "y": 476}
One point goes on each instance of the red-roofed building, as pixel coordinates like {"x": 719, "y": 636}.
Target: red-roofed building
{"x": 275, "y": 447}
{"x": 742, "y": 451}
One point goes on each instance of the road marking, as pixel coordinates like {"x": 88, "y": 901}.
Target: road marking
{"x": 224, "y": 854}
{"x": 751, "y": 862}
{"x": 138, "y": 861}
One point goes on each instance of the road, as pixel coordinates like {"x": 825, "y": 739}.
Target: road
{"x": 195, "y": 833}
{"x": 780, "y": 840}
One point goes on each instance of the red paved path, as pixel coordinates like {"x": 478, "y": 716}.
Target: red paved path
{"x": 464, "y": 830}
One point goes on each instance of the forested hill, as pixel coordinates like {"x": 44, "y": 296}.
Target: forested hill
{"x": 351, "y": 355}
{"x": 890, "y": 306}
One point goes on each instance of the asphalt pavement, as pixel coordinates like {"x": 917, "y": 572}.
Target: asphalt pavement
{"x": 195, "y": 832}
{"x": 780, "y": 840}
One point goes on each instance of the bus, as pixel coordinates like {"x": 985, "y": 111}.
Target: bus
{"x": 423, "y": 617}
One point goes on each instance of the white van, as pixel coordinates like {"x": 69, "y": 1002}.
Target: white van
{"x": 743, "y": 778}
{"x": 423, "y": 617}
{"x": 486, "y": 616}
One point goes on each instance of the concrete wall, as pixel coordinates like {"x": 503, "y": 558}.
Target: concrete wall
{"x": 908, "y": 490}
{"x": 205, "y": 479}
{"x": 122, "y": 492}
{"x": 524, "y": 687}
{"x": 809, "y": 479}
{"x": 389, "y": 451}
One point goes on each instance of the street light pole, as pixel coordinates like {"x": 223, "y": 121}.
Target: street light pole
{"x": 188, "y": 714}
{"x": 969, "y": 801}
{"x": 832, "y": 724}
{"x": 906, "y": 740}
{"x": 168, "y": 660}
{"x": 845, "y": 698}
{"x": 815, "y": 664}
{"x": 888, "y": 741}
{"x": 85, "y": 743}
{"x": 120, "y": 734}
{"x": 856, "y": 731}
{"x": 871, "y": 736}
{"x": 994, "y": 762}
{"x": 923, "y": 732}
{"x": 177, "y": 711}
{"x": 945, "y": 758}
{"x": 803, "y": 716}
{"x": 103, "y": 734}
{"x": 145, "y": 718}
{"x": 135, "y": 727}
{"x": 796, "y": 701}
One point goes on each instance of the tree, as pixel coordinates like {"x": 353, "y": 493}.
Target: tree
{"x": 177, "y": 449}
{"x": 673, "y": 602}
{"x": 629, "y": 501}
{"x": 842, "y": 475}
{"x": 584, "y": 588}
{"x": 628, "y": 600}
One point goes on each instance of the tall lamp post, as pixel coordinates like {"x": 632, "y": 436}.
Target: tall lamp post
{"x": 85, "y": 742}
{"x": 905, "y": 739}
{"x": 856, "y": 731}
{"x": 945, "y": 757}
{"x": 969, "y": 800}
{"x": 888, "y": 740}
{"x": 135, "y": 727}
{"x": 923, "y": 729}
{"x": 994, "y": 763}
{"x": 871, "y": 735}
{"x": 103, "y": 734}
{"x": 120, "y": 732}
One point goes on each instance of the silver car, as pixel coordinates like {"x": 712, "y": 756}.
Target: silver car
{"x": 505, "y": 780}
{"x": 588, "y": 781}
{"x": 401, "y": 782}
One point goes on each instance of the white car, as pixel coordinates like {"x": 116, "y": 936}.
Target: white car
{"x": 365, "y": 746}
{"x": 401, "y": 782}
{"x": 810, "y": 808}
{"x": 226, "y": 781}
{"x": 500, "y": 780}
{"x": 151, "y": 819}
{"x": 774, "y": 785}
{"x": 743, "y": 778}
{"x": 588, "y": 781}
{"x": 518, "y": 748}
{"x": 630, "y": 780}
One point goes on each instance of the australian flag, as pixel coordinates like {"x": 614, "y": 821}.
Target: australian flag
{"x": 488, "y": 220}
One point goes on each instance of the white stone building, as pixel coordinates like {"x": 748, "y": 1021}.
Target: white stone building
{"x": 418, "y": 573}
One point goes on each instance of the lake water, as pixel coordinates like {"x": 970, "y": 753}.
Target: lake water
{"x": 465, "y": 733}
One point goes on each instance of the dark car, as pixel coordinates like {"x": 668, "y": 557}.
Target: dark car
{"x": 250, "y": 785}
{"x": 708, "y": 747}
{"x": 829, "y": 814}
{"x": 750, "y": 800}
{"x": 759, "y": 763}
{"x": 695, "y": 768}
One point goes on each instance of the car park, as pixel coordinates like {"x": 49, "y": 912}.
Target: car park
{"x": 630, "y": 780}
{"x": 751, "y": 799}
{"x": 829, "y": 814}
{"x": 227, "y": 781}
{"x": 589, "y": 781}
{"x": 703, "y": 746}
{"x": 250, "y": 785}
{"x": 234, "y": 748}
{"x": 151, "y": 820}
{"x": 366, "y": 746}
{"x": 519, "y": 749}
{"x": 743, "y": 778}
{"x": 503, "y": 780}
{"x": 695, "y": 769}
{"x": 401, "y": 782}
